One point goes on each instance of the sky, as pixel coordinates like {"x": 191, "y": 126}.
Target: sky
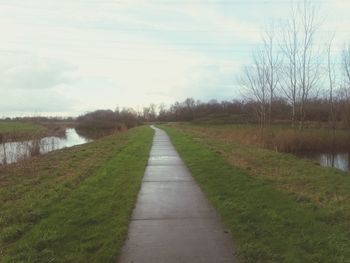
{"x": 68, "y": 57}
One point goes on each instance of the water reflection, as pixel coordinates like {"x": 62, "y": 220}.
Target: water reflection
{"x": 12, "y": 152}
{"x": 337, "y": 160}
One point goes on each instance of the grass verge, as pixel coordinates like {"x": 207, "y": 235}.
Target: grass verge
{"x": 72, "y": 205}
{"x": 268, "y": 221}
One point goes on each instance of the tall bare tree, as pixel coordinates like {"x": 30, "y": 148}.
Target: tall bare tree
{"x": 331, "y": 84}
{"x": 290, "y": 50}
{"x": 301, "y": 57}
{"x": 308, "y": 58}
{"x": 273, "y": 64}
{"x": 346, "y": 81}
{"x": 346, "y": 65}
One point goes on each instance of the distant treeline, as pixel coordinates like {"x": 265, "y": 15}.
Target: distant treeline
{"x": 234, "y": 111}
{"x": 40, "y": 119}
{"x": 247, "y": 111}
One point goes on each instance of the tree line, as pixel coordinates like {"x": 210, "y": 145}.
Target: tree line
{"x": 248, "y": 111}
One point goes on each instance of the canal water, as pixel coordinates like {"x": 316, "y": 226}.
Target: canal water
{"x": 337, "y": 160}
{"x": 11, "y": 152}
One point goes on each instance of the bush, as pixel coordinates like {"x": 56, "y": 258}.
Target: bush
{"x": 107, "y": 120}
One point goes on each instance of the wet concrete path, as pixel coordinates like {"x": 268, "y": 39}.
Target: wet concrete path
{"x": 172, "y": 220}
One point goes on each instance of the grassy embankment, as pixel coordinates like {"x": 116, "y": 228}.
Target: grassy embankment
{"x": 278, "y": 207}
{"x": 72, "y": 205}
{"x": 20, "y": 130}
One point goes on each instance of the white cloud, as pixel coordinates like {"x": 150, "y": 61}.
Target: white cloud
{"x": 26, "y": 71}
{"x": 32, "y": 102}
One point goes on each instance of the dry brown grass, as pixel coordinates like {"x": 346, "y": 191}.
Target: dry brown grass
{"x": 280, "y": 139}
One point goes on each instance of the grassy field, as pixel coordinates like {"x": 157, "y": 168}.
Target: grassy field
{"x": 278, "y": 207}
{"x": 19, "y": 130}
{"x": 72, "y": 205}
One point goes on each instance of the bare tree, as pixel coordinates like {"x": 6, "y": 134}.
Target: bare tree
{"x": 308, "y": 59}
{"x": 301, "y": 57}
{"x": 189, "y": 106}
{"x": 346, "y": 65}
{"x": 161, "y": 107}
{"x": 273, "y": 63}
{"x": 162, "y": 112}
{"x": 331, "y": 83}
{"x": 149, "y": 113}
{"x": 255, "y": 84}
{"x": 290, "y": 50}
{"x": 345, "y": 91}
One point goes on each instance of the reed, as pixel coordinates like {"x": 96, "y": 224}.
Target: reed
{"x": 279, "y": 138}
{"x": 34, "y": 147}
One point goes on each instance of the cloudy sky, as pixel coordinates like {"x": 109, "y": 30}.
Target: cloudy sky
{"x": 66, "y": 57}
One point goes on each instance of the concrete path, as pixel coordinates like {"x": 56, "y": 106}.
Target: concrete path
{"x": 172, "y": 220}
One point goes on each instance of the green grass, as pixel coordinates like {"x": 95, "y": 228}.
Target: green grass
{"x": 19, "y": 129}
{"x": 279, "y": 208}
{"x": 72, "y": 205}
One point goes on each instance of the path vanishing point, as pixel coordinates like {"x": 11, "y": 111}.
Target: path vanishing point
{"x": 173, "y": 221}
